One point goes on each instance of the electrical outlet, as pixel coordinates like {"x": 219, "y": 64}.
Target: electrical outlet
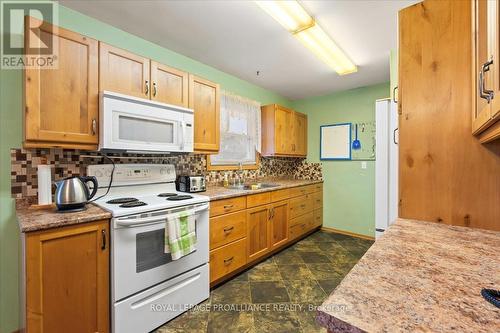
{"x": 363, "y": 165}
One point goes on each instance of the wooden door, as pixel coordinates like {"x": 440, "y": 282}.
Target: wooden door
{"x": 123, "y": 72}
{"x": 67, "y": 279}
{"x": 279, "y": 224}
{"x": 446, "y": 175}
{"x": 299, "y": 134}
{"x": 258, "y": 241}
{"x": 282, "y": 130}
{"x": 204, "y": 100}
{"x": 61, "y": 104}
{"x": 169, "y": 85}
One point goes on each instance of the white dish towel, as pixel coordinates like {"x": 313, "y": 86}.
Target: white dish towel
{"x": 180, "y": 234}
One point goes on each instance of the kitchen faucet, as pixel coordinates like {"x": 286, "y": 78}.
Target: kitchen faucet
{"x": 240, "y": 177}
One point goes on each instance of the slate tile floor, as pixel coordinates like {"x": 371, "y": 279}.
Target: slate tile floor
{"x": 279, "y": 294}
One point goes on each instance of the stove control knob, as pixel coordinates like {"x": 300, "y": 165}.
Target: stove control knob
{"x": 98, "y": 173}
{"x": 108, "y": 173}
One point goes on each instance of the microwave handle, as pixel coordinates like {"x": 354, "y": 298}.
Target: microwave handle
{"x": 139, "y": 221}
{"x": 183, "y": 134}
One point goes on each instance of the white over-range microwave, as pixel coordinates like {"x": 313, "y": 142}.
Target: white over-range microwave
{"x": 139, "y": 125}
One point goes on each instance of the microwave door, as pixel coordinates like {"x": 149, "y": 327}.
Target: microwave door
{"x": 133, "y": 132}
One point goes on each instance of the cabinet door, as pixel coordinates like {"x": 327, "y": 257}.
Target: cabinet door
{"x": 494, "y": 46}
{"x": 258, "y": 241}
{"x": 282, "y": 130}
{"x": 123, "y": 72}
{"x": 299, "y": 146}
{"x": 482, "y": 110}
{"x": 279, "y": 224}
{"x": 169, "y": 85}
{"x": 67, "y": 279}
{"x": 61, "y": 104}
{"x": 204, "y": 100}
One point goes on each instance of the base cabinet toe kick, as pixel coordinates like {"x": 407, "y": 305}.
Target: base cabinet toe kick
{"x": 247, "y": 229}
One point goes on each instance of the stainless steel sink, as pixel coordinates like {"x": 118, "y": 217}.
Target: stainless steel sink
{"x": 252, "y": 186}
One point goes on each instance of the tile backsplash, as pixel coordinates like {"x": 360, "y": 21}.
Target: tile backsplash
{"x": 68, "y": 163}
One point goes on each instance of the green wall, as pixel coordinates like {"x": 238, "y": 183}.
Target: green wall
{"x": 349, "y": 191}
{"x": 11, "y": 136}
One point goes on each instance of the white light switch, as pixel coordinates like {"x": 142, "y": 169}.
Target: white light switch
{"x": 363, "y": 165}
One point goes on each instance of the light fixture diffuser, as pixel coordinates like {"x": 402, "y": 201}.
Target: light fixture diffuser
{"x": 319, "y": 43}
{"x": 291, "y": 15}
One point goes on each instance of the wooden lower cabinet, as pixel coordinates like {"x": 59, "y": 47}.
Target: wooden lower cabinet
{"x": 271, "y": 220}
{"x": 67, "y": 279}
{"x": 227, "y": 228}
{"x": 278, "y": 224}
{"x": 227, "y": 259}
{"x": 258, "y": 237}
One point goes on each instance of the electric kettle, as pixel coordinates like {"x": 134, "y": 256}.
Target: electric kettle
{"x": 72, "y": 193}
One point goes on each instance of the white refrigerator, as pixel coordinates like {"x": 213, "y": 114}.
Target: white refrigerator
{"x": 386, "y": 165}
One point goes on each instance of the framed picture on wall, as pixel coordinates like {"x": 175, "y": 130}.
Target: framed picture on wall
{"x": 335, "y": 142}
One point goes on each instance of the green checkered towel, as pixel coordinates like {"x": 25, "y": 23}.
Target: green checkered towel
{"x": 180, "y": 234}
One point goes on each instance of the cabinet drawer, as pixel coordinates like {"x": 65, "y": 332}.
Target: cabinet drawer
{"x": 225, "y": 206}
{"x": 258, "y": 199}
{"x": 301, "y": 190}
{"x": 317, "y": 199}
{"x": 317, "y": 218}
{"x": 228, "y": 258}
{"x": 306, "y": 218}
{"x": 298, "y": 230}
{"x": 300, "y": 205}
{"x": 280, "y": 195}
{"x": 227, "y": 228}
{"x": 318, "y": 187}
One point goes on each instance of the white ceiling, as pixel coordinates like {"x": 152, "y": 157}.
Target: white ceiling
{"x": 239, "y": 38}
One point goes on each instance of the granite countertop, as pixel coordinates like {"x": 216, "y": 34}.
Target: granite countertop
{"x": 40, "y": 219}
{"x": 419, "y": 276}
{"x": 220, "y": 192}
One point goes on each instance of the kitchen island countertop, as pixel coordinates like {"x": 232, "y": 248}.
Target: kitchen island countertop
{"x": 220, "y": 192}
{"x": 419, "y": 276}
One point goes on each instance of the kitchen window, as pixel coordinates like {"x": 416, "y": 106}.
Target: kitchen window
{"x": 240, "y": 134}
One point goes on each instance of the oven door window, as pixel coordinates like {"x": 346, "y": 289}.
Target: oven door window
{"x": 145, "y": 130}
{"x": 150, "y": 250}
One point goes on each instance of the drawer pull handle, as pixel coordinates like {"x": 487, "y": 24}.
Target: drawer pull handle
{"x": 228, "y": 261}
{"x": 228, "y": 206}
{"x": 228, "y": 230}
{"x": 303, "y": 206}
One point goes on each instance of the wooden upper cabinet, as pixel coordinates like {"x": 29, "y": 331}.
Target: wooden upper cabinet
{"x": 300, "y": 134}
{"x": 61, "y": 104}
{"x": 204, "y": 99}
{"x": 123, "y": 72}
{"x": 67, "y": 279}
{"x": 284, "y": 131}
{"x": 169, "y": 85}
{"x": 279, "y": 224}
{"x": 486, "y": 70}
{"x": 283, "y": 128}
{"x": 258, "y": 232}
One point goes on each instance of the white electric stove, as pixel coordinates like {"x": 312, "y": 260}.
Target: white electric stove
{"x": 148, "y": 288}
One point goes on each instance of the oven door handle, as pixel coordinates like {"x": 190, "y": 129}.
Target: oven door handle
{"x": 147, "y": 220}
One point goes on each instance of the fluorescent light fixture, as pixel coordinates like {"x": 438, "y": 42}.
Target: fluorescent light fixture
{"x": 289, "y": 14}
{"x": 319, "y": 43}
{"x": 297, "y": 21}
